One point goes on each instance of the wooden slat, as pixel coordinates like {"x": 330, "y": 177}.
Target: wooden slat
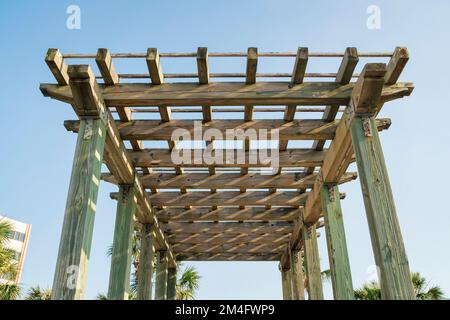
{"x": 154, "y": 66}
{"x": 229, "y": 248}
{"x": 57, "y": 66}
{"x": 396, "y": 65}
{"x": 227, "y": 93}
{"x": 229, "y": 257}
{"x": 106, "y": 67}
{"x": 230, "y": 238}
{"x": 252, "y": 64}
{"x": 289, "y": 158}
{"x": 227, "y": 198}
{"x": 228, "y": 180}
{"x": 227, "y": 227}
{"x": 301, "y": 61}
{"x": 202, "y": 65}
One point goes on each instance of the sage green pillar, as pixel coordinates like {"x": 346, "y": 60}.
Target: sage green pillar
{"x": 387, "y": 241}
{"x": 298, "y": 287}
{"x": 285, "y": 283}
{"x": 161, "y": 276}
{"x": 76, "y": 236}
{"x": 312, "y": 263}
{"x": 341, "y": 276}
{"x": 171, "y": 283}
{"x": 145, "y": 268}
{"x": 119, "y": 277}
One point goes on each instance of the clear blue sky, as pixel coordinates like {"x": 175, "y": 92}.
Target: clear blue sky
{"x": 36, "y": 151}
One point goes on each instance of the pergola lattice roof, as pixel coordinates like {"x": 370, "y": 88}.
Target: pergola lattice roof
{"x": 227, "y": 211}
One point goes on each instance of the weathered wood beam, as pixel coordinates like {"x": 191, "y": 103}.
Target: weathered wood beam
{"x": 285, "y": 180}
{"x": 227, "y": 238}
{"x": 78, "y": 225}
{"x": 106, "y": 67}
{"x": 227, "y": 198}
{"x": 161, "y": 276}
{"x": 119, "y": 277}
{"x": 384, "y": 228}
{"x": 171, "y": 283}
{"x": 298, "y": 286}
{"x": 228, "y": 214}
{"x": 286, "y": 286}
{"x": 145, "y": 268}
{"x": 229, "y": 248}
{"x": 226, "y": 94}
{"x": 396, "y": 65}
{"x": 228, "y": 227}
{"x": 341, "y": 276}
{"x": 154, "y": 66}
{"x": 229, "y": 257}
{"x": 301, "y": 60}
{"x": 163, "y": 158}
{"x": 202, "y": 65}
{"x": 312, "y": 263}
{"x": 57, "y": 66}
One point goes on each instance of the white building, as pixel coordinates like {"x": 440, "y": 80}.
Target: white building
{"x": 18, "y": 241}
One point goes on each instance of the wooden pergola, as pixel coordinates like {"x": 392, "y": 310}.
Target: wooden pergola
{"x": 227, "y": 211}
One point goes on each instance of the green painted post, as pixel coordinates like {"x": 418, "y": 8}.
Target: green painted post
{"x": 285, "y": 283}
{"x": 76, "y": 236}
{"x": 298, "y": 287}
{"x": 171, "y": 283}
{"x": 145, "y": 268}
{"x": 387, "y": 241}
{"x": 341, "y": 277}
{"x": 161, "y": 276}
{"x": 119, "y": 277}
{"x": 312, "y": 263}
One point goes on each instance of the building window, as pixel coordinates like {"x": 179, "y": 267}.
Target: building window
{"x": 15, "y": 235}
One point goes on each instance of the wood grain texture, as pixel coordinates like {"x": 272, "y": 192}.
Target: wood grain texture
{"x": 227, "y": 198}
{"x": 341, "y": 277}
{"x": 119, "y": 277}
{"x": 286, "y": 284}
{"x": 227, "y": 94}
{"x": 171, "y": 283}
{"x": 161, "y": 276}
{"x": 312, "y": 263}
{"x": 387, "y": 241}
{"x": 229, "y": 248}
{"x": 298, "y": 286}
{"x": 229, "y": 158}
{"x": 228, "y": 257}
{"x": 76, "y": 236}
{"x": 146, "y": 258}
{"x": 228, "y": 227}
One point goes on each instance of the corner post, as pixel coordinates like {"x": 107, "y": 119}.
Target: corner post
{"x": 312, "y": 263}
{"x": 161, "y": 276}
{"x": 145, "y": 268}
{"x": 341, "y": 276}
{"x": 119, "y": 278}
{"x": 298, "y": 287}
{"x": 76, "y": 236}
{"x": 285, "y": 283}
{"x": 387, "y": 241}
{"x": 171, "y": 283}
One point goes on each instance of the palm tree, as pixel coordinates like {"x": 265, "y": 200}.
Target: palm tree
{"x": 36, "y": 293}
{"x": 187, "y": 283}
{"x": 8, "y": 265}
{"x": 422, "y": 290}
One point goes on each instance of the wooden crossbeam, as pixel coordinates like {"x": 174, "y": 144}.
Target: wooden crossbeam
{"x": 229, "y": 248}
{"x": 228, "y": 227}
{"x": 228, "y": 214}
{"x": 229, "y": 257}
{"x": 55, "y": 63}
{"x": 227, "y": 198}
{"x": 229, "y": 180}
{"x": 202, "y": 65}
{"x": 154, "y": 66}
{"x": 163, "y": 158}
{"x": 227, "y": 93}
{"x": 301, "y": 60}
{"x": 222, "y": 238}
